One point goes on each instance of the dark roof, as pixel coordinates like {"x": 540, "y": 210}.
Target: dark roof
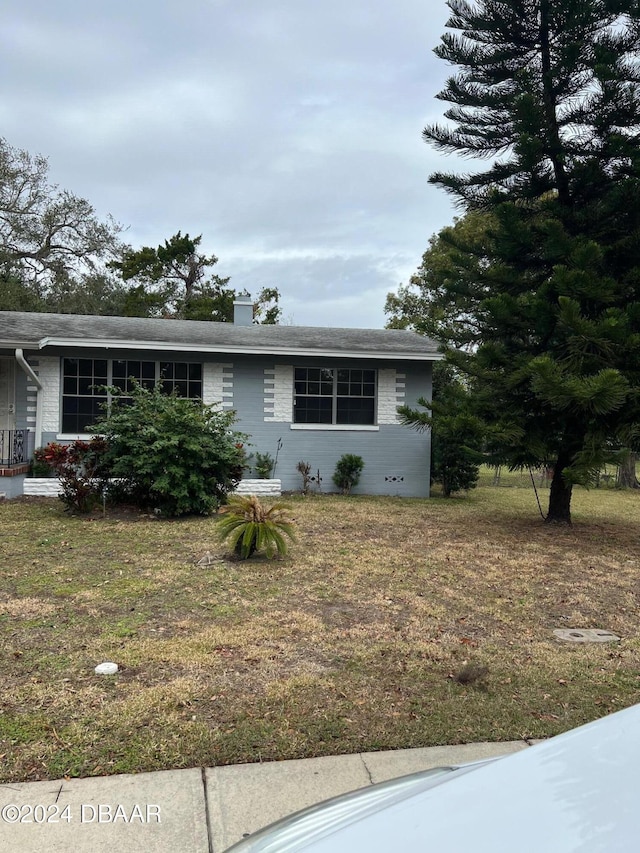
{"x": 38, "y": 331}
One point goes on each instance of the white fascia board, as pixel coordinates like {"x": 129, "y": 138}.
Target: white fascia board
{"x": 287, "y": 351}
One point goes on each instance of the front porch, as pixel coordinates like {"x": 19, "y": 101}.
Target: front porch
{"x": 16, "y": 448}
{"x": 16, "y": 451}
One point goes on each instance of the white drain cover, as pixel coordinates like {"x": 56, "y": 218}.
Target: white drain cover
{"x": 586, "y": 635}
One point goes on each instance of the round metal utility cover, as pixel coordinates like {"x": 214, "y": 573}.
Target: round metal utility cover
{"x": 586, "y": 635}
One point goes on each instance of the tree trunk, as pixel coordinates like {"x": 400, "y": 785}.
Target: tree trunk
{"x": 627, "y": 473}
{"x": 560, "y": 493}
{"x": 550, "y": 105}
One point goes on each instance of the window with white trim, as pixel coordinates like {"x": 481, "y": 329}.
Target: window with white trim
{"x": 334, "y": 395}
{"x": 83, "y": 381}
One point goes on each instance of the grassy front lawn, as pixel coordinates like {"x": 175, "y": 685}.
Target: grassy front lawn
{"x": 392, "y": 623}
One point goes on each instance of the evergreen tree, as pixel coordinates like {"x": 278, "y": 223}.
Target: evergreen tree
{"x": 458, "y": 433}
{"x": 173, "y": 280}
{"x": 548, "y": 310}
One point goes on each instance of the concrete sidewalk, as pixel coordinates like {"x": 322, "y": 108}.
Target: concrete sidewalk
{"x": 199, "y": 810}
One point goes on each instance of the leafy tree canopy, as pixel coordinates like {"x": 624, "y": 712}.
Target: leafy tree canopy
{"x": 46, "y": 234}
{"x": 56, "y": 255}
{"x": 535, "y": 293}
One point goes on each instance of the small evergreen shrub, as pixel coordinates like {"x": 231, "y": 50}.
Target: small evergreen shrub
{"x": 264, "y": 465}
{"x": 458, "y": 434}
{"x": 347, "y": 473}
{"x": 249, "y": 526}
{"x": 40, "y": 469}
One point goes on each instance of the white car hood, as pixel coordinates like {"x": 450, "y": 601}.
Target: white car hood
{"x": 576, "y": 792}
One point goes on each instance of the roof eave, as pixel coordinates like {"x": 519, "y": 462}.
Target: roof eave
{"x": 19, "y": 344}
{"x": 234, "y": 350}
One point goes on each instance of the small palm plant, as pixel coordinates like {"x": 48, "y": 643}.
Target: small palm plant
{"x": 249, "y": 526}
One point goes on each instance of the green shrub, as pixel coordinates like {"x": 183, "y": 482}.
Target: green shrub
{"x": 264, "y": 465}
{"x": 39, "y": 469}
{"x": 41, "y": 464}
{"x": 171, "y": 454}
{"x": 81, "y": 468}
{"x": 347, "y": 473}
{"x": 48, "y": 460}
{"x": 249, "y": 526}
{"x": 457, "y": 432}
{"x": 85, "y": 477}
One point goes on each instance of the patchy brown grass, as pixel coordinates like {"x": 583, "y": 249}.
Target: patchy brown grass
{"x": 391, "y": 623}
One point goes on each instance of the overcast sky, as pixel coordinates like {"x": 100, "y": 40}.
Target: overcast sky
{"x": 286, "y": 132}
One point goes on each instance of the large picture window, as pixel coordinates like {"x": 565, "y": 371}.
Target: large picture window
{"x": 83, "y": 381}
{"x": 182, "y": 378}
{"x": 82, "y": 397}
{"x": 332, "y": 395}
{"x": 124, "y": 372}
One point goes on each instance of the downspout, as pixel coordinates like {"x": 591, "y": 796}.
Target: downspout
{"x": 34, "y": 378}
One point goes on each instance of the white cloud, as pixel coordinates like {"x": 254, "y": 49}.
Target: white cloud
{"x": 287, "y": 133}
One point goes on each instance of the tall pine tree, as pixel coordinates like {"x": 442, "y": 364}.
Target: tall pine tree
{"x": 549, "y": 309}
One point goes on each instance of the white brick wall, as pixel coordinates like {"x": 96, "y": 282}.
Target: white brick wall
{"x": 217, "y": 384}
{"x": 43, "y": 487}
{"x": 262, "y": 488}
{"x": 278, "y": 393}
{"x": 391, "y": 394}
{"x": 48, "y": 372}
{"x": 50, "y": 487}
{"x": 32, "y": 400}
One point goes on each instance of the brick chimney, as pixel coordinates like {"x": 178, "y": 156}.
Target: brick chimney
{"x": 243, "y": 309}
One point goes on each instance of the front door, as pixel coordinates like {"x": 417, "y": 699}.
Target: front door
{"x": 7, "y": 393}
